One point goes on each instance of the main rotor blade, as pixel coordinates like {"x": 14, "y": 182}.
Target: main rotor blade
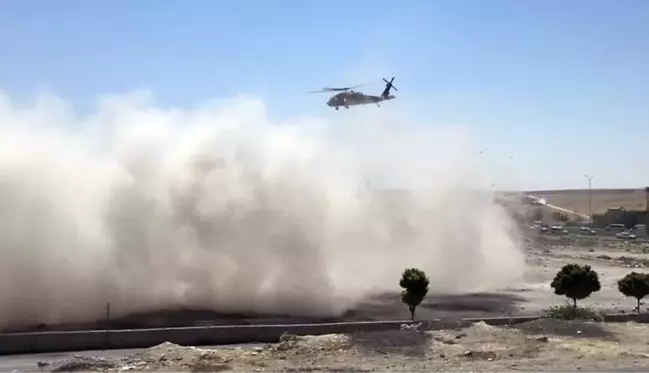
{"x": 329, "y": 89}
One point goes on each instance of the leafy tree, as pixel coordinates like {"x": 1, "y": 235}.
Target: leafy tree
{"x": 576, "y": 282}
{"x": 634, "y": 285}
{"x": 415, "y": 285}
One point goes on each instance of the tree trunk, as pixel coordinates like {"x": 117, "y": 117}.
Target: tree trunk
{"x": 638, "y": 310}
{"x": 574, "y": 302}
{"x": 412, "y": 312}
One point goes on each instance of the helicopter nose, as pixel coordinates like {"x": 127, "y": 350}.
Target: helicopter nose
{"x": 330, "y": 102}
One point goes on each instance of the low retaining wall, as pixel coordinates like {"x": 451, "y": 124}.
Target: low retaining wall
{"x": 23, "y": 343}
{"x": 19, "y": 343}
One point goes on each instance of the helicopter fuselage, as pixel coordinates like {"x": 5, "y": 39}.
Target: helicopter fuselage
{"x": 351, "y": 98}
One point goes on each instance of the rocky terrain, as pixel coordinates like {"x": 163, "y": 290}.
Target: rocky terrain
{"x": 543, "y": 345}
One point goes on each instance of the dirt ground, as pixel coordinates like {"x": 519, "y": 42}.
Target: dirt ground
{"x": 602, "y": 199}
{"x": 543, "y": 345}
{"x": 611, "y": 259}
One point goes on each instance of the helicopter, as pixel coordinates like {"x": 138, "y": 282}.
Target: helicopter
{"x": 348, "y": 97}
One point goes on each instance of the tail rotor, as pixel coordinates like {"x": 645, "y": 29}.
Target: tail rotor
{"x": 388, "y": 86}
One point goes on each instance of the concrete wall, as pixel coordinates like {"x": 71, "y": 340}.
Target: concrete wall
{"x": 22, "y": 343}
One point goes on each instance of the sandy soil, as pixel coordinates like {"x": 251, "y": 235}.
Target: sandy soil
{"x": 544, "y": 345}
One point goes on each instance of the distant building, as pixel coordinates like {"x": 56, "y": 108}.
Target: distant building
{"x": 614, "y": 214}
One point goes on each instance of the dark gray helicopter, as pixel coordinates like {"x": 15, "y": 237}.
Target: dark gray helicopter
{"x": 348, "y": 97}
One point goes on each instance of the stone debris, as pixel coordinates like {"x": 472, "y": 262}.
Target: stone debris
{"x": 154, "y": 358}
{"x": 415, "y": 327}
{"x": 539, "y": 345}
{"x": 77, "y": 364}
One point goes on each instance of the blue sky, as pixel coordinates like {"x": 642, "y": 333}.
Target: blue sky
{"x": 562, "y": 86}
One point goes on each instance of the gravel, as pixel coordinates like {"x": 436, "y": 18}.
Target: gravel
{"x": 543, "y": 345}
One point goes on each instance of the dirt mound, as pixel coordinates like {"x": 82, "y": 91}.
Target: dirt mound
{"x": 573, "y": 328}
{"x": 78, "y": 364}
{"x": 542, "y": 345}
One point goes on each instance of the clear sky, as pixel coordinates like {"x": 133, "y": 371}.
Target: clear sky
{"x": 561, "y": 86}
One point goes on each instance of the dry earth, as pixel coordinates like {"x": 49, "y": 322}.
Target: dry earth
{"x": 602, "y": 199}
{"x": 544, "y": 345}
{"x": 610, "y": 258}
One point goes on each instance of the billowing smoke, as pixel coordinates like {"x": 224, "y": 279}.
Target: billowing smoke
{"x": 221, "y": 208}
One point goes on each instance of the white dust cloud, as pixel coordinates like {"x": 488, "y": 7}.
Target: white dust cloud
{"x": 220, "y": 208}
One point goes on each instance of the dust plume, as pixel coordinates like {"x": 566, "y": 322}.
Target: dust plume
{"x": 220, "y": 207}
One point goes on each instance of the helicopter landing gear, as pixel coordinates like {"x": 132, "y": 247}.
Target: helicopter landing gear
{"x": 378, "y": 105}
{"x": 336, "y": 108}
{"x": 346, "y": 106}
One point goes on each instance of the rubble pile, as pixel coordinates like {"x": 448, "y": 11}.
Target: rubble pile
{"x": 78, "y": 364}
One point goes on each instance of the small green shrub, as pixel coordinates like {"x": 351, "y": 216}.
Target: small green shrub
{"x": 415, "y": 285}
{"x": 570, "y": 312}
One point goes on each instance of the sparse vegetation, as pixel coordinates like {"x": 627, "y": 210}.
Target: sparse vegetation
{"x": 415, "y": 285}
{"x": 576, "y": 282}
{"x": 634, "y": 285}
{"x": 570, "y": 312}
